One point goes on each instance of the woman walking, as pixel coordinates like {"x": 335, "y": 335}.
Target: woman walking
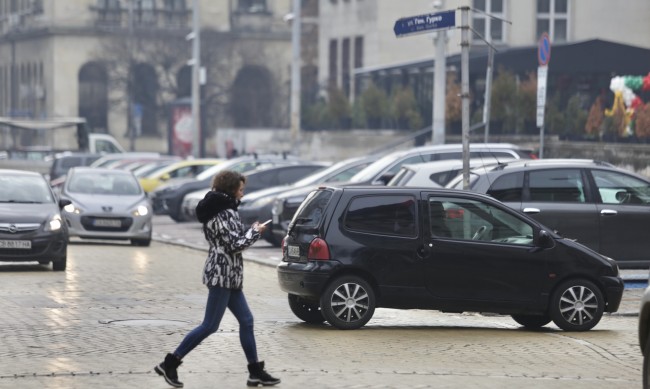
{"x": 223, "y": 275}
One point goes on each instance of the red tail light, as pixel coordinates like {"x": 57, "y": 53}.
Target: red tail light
{"x": 318, "y": 250}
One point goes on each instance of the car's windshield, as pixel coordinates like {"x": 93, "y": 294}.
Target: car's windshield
{"x": 104, "y": 184}
{"x": 312, "y": 209}
{"x": 24, "y": 189}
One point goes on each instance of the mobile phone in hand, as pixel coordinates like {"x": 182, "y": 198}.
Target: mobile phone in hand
{"x": 266, "y": 222}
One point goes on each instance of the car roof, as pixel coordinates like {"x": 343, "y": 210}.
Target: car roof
{"x": 562, "y": 162}
{"x": 446, "y": 164}
{"x": 98, "y": 170}
{"x": 16, "y": 172}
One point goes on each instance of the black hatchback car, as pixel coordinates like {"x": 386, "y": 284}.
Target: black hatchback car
{"x": 352, "y": 249}
{"x": 601, "y": 206}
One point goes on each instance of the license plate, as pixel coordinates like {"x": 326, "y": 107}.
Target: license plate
{"x": 107, "y": 223}
{"x": 294, "y": 251}
{"x": 16, "y": 244}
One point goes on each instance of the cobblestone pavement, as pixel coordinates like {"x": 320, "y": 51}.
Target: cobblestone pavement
{"x": 112, "y": 315}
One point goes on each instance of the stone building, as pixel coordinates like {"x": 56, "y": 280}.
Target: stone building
{"x": 123, "y": 64}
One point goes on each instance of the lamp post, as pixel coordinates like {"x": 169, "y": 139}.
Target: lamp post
{"x": 295, "y": 76}
{"x": 196, "y": 68}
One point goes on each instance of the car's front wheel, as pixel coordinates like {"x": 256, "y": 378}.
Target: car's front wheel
{"x": 577, "y": 305}
{"x": 348, "y": 302}
{"x": 60, "y": 264}
{"x": 532, "y": 321}
{"x": 305, "y": 310}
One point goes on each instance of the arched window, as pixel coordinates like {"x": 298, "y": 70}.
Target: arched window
{"x": 93, "y": 95}
{"x": 251, "y": 98}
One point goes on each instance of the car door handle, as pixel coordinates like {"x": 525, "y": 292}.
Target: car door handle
{"x": 607, "y": 212}
{"x": 531, "y": 210}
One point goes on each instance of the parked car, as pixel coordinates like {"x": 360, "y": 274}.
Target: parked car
{"x": 31, "y": 225}
{"x": 167, "y": 199}
{"x": 62, "y": 162}
{"x": 106, "y": 204}
{"x": 110, "y": 160}
{"x": 437, "y": 174}
{"x": 604, "y": 207}
{"x": 383, "y": 170}
{"x": 352, "y": 249}
{"x": 182, "y": 169}
{"x": 257, "y": 181}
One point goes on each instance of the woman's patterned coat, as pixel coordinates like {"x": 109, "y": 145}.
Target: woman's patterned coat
{"x": 225, "y": 233}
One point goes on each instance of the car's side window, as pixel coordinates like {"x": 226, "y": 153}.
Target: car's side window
{"x": 467, "y": 219}
{"x": 619, "y": 188}
{"x": 508, "y": 187}
{"x": 557, "y": 185}
{"x": 382, "y": 214}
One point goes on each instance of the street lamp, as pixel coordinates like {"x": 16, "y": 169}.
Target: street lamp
{"x": 295, "y": 18}
{"x": 195, "y": 62}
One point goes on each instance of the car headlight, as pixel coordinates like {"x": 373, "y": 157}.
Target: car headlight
{"x": 71, "y": 208}
{"x": 141, "y": 210}
{"x": 614, "y": 264}
{"x": 54, "y": 224}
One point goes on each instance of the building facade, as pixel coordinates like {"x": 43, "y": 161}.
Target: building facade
{"x": 123, "y": 64}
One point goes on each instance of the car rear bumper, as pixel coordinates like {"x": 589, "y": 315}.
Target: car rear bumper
{"x": 306, "y": 279}
{"x": 613, "y": 288}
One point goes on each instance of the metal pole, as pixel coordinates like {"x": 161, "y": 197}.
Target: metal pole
{"x": 439, "y": 85}
{"x": 464, "y": 66}
{"x": 196, "y": 66}
{"x": 295, "y": 76}
{"x": 488, "y": 89}
{"x": 130, "y": 81}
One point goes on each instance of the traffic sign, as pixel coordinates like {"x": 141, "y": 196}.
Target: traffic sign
{"x": 544, "y": 49}
{"x": 421, "y": 24}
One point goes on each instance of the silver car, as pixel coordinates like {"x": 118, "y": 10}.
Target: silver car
{"x": 107, "y": 204}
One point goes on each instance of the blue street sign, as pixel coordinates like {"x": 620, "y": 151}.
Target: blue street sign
{"x": 544, "y": 50}
{"x": 424, "y": 23}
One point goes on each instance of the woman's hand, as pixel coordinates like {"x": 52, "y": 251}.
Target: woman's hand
{"x": 261, "y": 227}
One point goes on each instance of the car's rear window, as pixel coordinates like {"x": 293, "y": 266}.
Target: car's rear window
{"x": 382, "y": 214}
{"x": 311, "y": 210}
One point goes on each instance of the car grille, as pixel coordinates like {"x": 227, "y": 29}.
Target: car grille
{"x": 88, "y": 222}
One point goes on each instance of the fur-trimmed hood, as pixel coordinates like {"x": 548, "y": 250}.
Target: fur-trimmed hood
{"x": 213, "y": 203}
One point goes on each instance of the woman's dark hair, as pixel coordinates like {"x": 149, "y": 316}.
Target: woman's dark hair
{"x": 228, "y": 182}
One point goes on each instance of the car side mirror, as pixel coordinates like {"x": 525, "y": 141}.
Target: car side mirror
{"x": 544, "y": 240}
{"x": 63, "y": 203}
{"x": 165, "y": 177}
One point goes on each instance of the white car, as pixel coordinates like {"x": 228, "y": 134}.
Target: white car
{"x": 106, "y": 204}
{"x": 438, "y": 173}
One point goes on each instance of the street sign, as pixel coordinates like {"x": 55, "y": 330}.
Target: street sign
{"x": 421, "y": 24}
{"x": 544, "y": 49}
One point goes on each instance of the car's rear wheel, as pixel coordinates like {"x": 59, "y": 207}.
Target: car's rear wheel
{"x": 577, "y": 305}
{"x": 532, "y": 321}
{"x": 305, "y": 310}
{"x": 348, "y": 302}
{"x": 60, "y": 264}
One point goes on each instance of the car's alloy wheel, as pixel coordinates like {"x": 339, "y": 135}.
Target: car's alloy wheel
{"x": 577, "y": 305}
{"x": 305, "y": 310}
{"x": 532, "y": 321}
{"x": 348, "y": 302}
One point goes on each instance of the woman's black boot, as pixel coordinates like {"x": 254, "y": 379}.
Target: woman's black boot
{"x": 259, "y": 376}
{"x": 167, "y": 369}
